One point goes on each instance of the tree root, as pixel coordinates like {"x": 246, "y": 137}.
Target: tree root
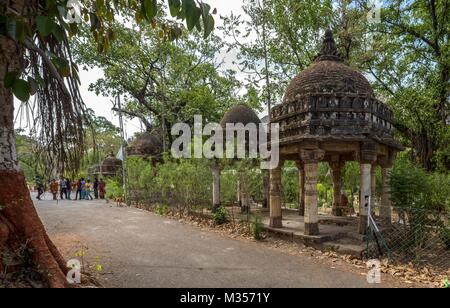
{"x": 20, "y": 226}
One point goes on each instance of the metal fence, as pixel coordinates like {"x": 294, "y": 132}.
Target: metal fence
{"x": 414, "y": 236}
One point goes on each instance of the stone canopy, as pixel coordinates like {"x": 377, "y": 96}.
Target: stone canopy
{"x": 330, "y": 101}
{"x": 330, "y": 114}
{"x": 148, "y": 144}
{"x": 110, "y": 166}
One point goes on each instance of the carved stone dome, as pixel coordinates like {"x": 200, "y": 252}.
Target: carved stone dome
{"x": 330, "y": 101}
{"x": 240, "y": 114}
{"x": 111, "y": 165}
{"x": 328, "y": 76}
{"x": 146, "y": 144}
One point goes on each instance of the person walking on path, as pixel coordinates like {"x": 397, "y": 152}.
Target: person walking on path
{"x": 96, "y": 188}
{"x": 102, "y": 189}
{"x": 74, "y": 187}
{"x": 78, "y": 194}
{"x": 54, "y": 189}
{"x": 83, "y": 189}
{"x": 89, "y": 187}
{"x": 69, "y": 189}
{"x": 63, "y": 188}
{"x": 40, "y": 187}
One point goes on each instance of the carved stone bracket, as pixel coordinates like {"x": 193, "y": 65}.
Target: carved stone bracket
{"x": 369, "y": 152}
{"x": 312, "y": 156}
{"x": 387, "y": 161}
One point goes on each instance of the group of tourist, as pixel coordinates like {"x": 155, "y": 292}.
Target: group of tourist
{"x": 83, "y": 189}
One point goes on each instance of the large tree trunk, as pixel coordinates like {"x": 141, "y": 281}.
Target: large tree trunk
{"x": 20, "y": 226}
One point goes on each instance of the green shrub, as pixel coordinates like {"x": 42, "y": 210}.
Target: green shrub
{"x": 412, "y": 187}
{"x": 290, "y": 184}
{"x": 220, "y": 216}
{"x": 228, "y": 186}
{"x": 422, "y": 200}
{"x": 257, "y": 227}
{"x": 162, "y": 210}
{"x": 184, "y": 184}
{"x": 114, "y": 189}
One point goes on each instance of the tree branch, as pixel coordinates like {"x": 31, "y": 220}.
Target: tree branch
{"x": 52, "y": 68}
{"x": 141, "y": 117}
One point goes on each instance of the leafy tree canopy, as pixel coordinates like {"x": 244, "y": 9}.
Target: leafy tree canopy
{"x": 164, "y": 82}
{"x": 44, "y": 28}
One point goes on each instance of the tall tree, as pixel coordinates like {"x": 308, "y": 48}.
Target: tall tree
{"x": 35, "y": 58}
{"x": 410, "y": 64}
{"x": 404, "y": 54}
{"x": 285, "y": 32}
{"x": 163, "y": 82}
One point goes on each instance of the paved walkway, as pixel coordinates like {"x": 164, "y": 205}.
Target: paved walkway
{"x": 140, "y": 249}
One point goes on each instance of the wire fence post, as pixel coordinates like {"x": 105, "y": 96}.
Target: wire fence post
{"x": 122, "y": 149}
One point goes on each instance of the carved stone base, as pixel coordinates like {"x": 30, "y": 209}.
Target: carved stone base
{"x": 276, "y": 222}
{"x": 337, "y": 211}
{"x": 311, "y": 228}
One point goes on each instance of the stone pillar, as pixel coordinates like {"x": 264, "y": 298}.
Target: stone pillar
{"x": 266, "y": 184}
{"x": 239, "y": 193}
{"x": 275, "y": 198}
{"x": 216, "y": 187}
{"x": 245, "y": 199}
{"x": 373, "y": 186}
{"x": 301, "y": 191}
{"x": 336, "y": 171}
{"x": 386, "y": 204}
{"x": 368, "y": 158}
{"x": 365, "y": 197}
{"x": 311, "y": 159}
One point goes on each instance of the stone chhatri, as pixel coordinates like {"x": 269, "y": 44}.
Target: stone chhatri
{"x": 330, "y": 114}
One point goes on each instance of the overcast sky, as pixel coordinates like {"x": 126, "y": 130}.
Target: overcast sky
{"x": 102, "y": 105}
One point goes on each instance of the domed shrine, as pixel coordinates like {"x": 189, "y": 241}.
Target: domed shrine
{"x": 330, "y": 114}
{"x": 239, "y": 114}
{"x": 148, "y": 144}
{"x": 110, "y": 167}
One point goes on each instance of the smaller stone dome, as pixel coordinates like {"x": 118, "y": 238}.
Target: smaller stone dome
{"x": 146, "y": 144}
{"x": 240, "y": 114}
{"x": 111, "y": 165}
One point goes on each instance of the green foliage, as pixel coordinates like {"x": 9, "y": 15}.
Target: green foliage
{"x": 257, "y": 227}
{"x": 290, "y": 184}
{"x": 169, "y": 82}
{"x": 228, "y": 186}
{"x": 183, "y": 184}
{"x": 284, "y": 32}
{"x": 445, "y": 236}
{"x": 255, "y": 184}
{"x": 162, "y": 210}
{"x": 406, "y": 56}
{"x": 50, "y": 68}
{"x": 114, "y": 189}
{"x": 220, "y": 216}
{"x": 413, "y": 187}
{"x": 423, "y": 200}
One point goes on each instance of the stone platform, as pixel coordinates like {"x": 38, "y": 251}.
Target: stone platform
{"x": 339, "y": 234}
